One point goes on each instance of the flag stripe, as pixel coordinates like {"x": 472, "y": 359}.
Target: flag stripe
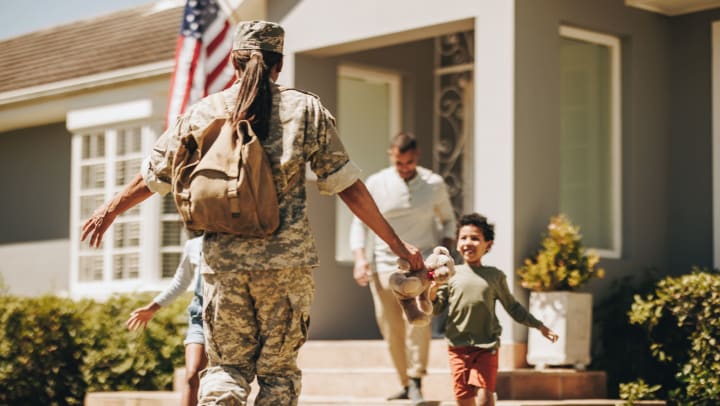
{"x": 218, "y": 39}
{"x": 215, "y": 73}
{"x": 201, "y": 56}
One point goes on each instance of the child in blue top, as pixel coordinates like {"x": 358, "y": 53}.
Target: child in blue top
{"x": 195, "y": 358}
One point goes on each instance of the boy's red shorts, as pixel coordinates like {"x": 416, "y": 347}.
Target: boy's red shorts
{"x": 472, "y": 368}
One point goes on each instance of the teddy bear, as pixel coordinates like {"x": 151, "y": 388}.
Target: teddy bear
{"x": 411, "y": 287}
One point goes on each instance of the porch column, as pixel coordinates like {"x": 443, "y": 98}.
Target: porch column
{"x": 493, "y": 150}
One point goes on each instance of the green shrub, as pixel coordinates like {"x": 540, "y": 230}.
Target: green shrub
{"x": 40, "y": 352}
{"x": 682, "y": 320}
{"x": 628, "y": 358}
{"x": 54, "y": 350}
{"x": 118, "y": 359}
{"x": 638, "y": 390}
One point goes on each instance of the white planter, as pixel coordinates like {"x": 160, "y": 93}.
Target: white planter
{"x": 569, "y": 314}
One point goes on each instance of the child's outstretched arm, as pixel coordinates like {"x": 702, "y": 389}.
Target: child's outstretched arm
{"x": 141, "y": 316}
{"x": 549, "y": 334}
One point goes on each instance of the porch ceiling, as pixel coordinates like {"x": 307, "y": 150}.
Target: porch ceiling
{"x": 674, "y": 7}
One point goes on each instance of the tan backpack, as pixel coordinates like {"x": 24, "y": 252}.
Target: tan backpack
{"x": 222, "y": 180}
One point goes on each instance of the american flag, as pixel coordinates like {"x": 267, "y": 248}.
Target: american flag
{"x": 201, "y": 56}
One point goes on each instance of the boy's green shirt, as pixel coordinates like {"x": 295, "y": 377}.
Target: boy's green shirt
{"x": 470, "y": 297}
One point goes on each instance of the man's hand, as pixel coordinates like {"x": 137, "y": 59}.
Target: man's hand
{"x": 361, "y": 272}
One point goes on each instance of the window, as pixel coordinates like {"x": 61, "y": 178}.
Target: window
{"x": 716, "y": 140}
{"x": 144, "y": 243}
{"x": 369, "y": 104}
{"x": 91, "y": 195}
{"x": 590, "y": 137}
{"x": 172, "y": 237}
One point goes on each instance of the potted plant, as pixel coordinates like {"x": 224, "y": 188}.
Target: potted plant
{"x": 553, "y": 274}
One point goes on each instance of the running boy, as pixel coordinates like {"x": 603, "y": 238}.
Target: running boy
{"x": 472, "y": 329}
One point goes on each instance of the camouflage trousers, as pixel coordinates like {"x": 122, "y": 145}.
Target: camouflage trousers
{"x": 255, "y": 323}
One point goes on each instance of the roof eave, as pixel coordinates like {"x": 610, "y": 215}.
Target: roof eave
{"x": 59, "y": 88}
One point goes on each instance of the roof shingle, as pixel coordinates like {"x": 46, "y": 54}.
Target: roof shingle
{"x": 123, "y": 39}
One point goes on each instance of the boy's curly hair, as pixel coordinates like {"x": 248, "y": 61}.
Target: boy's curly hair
{"x": 479, "y": 221}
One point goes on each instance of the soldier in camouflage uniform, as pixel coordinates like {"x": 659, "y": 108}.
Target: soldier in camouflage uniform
{"x": 258, "y": 291}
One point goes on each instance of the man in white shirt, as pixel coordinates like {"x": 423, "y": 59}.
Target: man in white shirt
{"x": 415, "y": 202}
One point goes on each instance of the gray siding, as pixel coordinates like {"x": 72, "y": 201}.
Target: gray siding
{"x": 690, "y": 194}
{"x": 35, "y": 184}
{"x": 646, "y": 152}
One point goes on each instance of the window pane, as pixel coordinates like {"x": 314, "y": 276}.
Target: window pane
{"x": 92, "y": 176}
{"x": 170, "y": 261}
{"x": 586, "y": 141}
{"x": 168, "y": 204}
{"x": 126, "y": 170}
{"x": 171, "y": 233}
{"x": 90, "y": 268}
{"x": 129, "y": 140}
{"x": 88, "y": 204}
{"x": 126, "y": 266}
{"x": 127, "y": 234}
{"x": 93, "y": 146}
{"x": 365, "y": 107}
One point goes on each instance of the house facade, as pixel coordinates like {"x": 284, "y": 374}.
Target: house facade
{"x": 596, "y": 108}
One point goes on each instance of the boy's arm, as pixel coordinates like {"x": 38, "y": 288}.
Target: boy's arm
{"x": 517, "y": 311}
{"x": 547, "y": 333}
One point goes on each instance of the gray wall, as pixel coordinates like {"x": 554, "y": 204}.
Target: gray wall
{"x": 35, "y": 184}
{"x": 690, "y": 230}
{"x": 341, "y": 309}
{"x": 646, "y": 123}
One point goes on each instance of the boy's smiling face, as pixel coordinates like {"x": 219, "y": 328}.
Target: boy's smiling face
{"x": 471, "y": 244}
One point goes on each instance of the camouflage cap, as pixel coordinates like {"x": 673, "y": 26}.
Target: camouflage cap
{"x": 263, "y": 35}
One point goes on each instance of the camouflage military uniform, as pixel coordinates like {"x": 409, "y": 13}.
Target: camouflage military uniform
{"x": 258, "y": 291}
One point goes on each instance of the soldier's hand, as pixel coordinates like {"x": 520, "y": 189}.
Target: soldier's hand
{"x": 96, "y": 225}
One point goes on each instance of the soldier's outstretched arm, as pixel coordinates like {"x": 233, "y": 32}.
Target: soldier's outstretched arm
{"x": 133, "y": 194}
{"x": 361, "y": 203}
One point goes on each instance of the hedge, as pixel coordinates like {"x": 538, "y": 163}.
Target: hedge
{"x": 55, "y": 350}
{"x": 681, "y": 318}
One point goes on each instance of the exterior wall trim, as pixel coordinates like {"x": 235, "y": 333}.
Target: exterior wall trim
{"x": 613, "y": 43}
{"x": 716, "y": 141}
{"x": 87, "y": 82}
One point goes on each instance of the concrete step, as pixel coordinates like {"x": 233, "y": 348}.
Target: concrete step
{"x": 361, "y": 354}
{"x": 341, "y": 372}
{"x": 172, "y": 399}
{"x": 143, "y": 398}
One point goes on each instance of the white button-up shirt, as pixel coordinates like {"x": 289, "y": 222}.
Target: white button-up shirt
{"x": 419, "y": 211}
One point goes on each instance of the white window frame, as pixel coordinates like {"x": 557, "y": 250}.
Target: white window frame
{"x": 716, "y": 141}
{"x": 142, "y": 114}
{"x": 613, "y": 44}
{"x": 394, "y": 82}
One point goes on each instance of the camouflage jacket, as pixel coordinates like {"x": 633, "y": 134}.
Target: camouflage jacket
{"x": 301, "y": 130}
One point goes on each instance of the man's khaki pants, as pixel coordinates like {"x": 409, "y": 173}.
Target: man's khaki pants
{"x": 409, "y": 345}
